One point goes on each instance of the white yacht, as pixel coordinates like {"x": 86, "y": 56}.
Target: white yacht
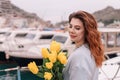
{"x": 110, "y": 69}
{"x": 41, "y": 40}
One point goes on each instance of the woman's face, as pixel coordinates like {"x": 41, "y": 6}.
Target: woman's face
{"x": 76, "y": 31}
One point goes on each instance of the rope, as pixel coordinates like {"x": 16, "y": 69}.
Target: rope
{"x": 12, "y": 69}
{"x": 116, "y": 72}
{"x": 104, "y": 73}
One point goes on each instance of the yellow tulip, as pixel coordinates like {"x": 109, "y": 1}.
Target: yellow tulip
{"x": 54, "y": 53}
{"x": 52, "y": 58}
{"x": 55, "y": 46}
{"x": 62, "y": 58}
{"x": 45, "y": 53}
{"x": 47, "y": 76}
{"x": 49, "y": 65}
{"x": 33, "y": 67}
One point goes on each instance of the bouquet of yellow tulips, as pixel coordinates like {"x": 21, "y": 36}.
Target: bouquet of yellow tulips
{"x": 54, "y": 60}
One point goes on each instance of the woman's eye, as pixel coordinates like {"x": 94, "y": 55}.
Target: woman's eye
{"x": 77, "y": 28}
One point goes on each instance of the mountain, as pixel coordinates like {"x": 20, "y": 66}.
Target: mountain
{"x": 8, "y": 9}
{"x": 107, "y": 15}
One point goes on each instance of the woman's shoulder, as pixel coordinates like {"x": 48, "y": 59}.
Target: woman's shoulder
{"x": 83, "y": 50}
{"x": 81, "y": 54}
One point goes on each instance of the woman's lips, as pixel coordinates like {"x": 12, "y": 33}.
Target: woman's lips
{"x": 72, "y": 36}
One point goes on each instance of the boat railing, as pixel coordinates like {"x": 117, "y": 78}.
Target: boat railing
{"x": 13, "y": 69}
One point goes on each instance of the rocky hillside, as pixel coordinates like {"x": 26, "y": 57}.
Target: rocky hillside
{"x": 107, "y": 15}
{"x": 8, "y": 9}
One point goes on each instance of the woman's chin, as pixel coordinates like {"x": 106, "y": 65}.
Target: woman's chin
{"x": 72, "y": 40}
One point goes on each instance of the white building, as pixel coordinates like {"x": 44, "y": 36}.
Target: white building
{"x": 100, "y": 24}
{"x": 115, "y": 24}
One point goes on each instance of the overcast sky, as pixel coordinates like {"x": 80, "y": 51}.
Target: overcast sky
{"x": 58, "y": 10}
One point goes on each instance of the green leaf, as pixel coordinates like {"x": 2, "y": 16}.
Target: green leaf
{"x": 41, "y": 69}
{"x": 59, "y": 51}
{"x": 45, "y": 60}
{"x": 41, "y": 75}
{"x": 60, "y": 76}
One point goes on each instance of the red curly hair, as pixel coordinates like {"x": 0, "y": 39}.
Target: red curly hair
{"x": 92, "y": 35}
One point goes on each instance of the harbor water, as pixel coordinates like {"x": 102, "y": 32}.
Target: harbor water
{"x": 13, "y": 74}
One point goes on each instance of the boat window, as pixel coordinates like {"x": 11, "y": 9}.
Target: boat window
{"x": 2, "y": 33}
{"x": 111, "y": 39}
{"x": 46, "y": 37}
{"x": 118, "y": 39}
{"x": 61, "y": 39}
{"x": 103, "y": 38}
{"x": 8, "y": 33}
{"x": 112, "y": 55}
{"x": 21, "y": 35}
{"x": 30, "y": 36}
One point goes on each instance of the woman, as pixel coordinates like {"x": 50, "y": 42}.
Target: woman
{"x": 84, "y": 62}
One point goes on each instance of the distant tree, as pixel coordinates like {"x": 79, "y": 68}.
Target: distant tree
{"x": 107, "y": 22}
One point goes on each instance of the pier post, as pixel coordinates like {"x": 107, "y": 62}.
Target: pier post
{"x": 18, "y": 73}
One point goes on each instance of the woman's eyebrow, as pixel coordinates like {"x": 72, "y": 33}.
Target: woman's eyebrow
{"x": 77, "y": 26}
